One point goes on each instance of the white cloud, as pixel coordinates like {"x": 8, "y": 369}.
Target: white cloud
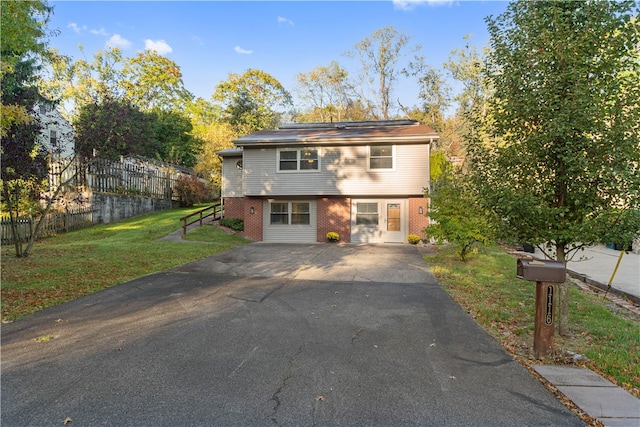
{"x": 160, "y": 46}
{"x": 283, "y": 20}
{"x": 242, "y": 51}
{"x": 76, "y": 28}
{"x": 412, "y": 4}
{"x": 117, "y": 40}
{"x": 100, "y": 32}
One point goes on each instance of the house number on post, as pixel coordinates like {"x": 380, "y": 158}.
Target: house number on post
{"x": 548, "y": 318}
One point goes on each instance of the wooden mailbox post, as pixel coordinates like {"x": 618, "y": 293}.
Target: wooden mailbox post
{"x": 546, "y": 274}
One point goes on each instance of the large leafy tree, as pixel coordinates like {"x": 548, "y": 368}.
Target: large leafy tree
{"x": 252, "y": 101}
{"x": 379, "y": 55}
{"x": 24, "y": 166}
{"x": 327, "y": 94}
{"x": 465, "y": 66}
{"x": 83, "y": 82}
{"x": 216, "y": 136}
{"x": 176, "y": 143}
{"x": 563, "y": 167}
{"x": 112, "y": 128}
{"x": 153, "y": 82}
{"x": 433, "y": 91}
{"x": 147, "y": 86}
{"x": 24, "y": 45}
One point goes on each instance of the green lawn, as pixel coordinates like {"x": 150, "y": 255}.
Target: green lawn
{"x": 73, "y": 264}
{"x": 486, "y": 287}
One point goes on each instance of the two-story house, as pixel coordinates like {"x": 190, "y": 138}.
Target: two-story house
{"x": 363, "y": 180}
{"x": 56, "y": 134}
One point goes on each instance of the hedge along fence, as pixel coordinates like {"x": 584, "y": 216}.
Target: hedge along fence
{"x": 53, "y": 223}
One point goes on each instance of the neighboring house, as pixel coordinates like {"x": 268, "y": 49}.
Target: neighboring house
{"x": 363, "y": 180}
{"x": 56, "y": 136}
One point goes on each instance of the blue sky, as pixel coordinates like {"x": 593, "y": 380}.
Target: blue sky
{"x": 210, "y": 39}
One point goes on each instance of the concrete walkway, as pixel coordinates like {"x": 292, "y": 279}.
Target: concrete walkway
{"x": 601, "y": 399}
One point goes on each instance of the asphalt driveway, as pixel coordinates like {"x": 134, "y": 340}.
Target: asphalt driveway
{"x": 269, "y": 335}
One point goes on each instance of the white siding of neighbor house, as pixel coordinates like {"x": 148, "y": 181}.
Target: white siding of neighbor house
{"x": 231, "y": 177}
{"x": 52, "y": 120}
{"x": 290, "y": 233}
{"x": 343, "y": 171}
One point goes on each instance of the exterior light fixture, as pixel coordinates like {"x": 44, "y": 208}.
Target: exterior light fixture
{"x": 420, "y": 211}
{"x": 252, "y": 210}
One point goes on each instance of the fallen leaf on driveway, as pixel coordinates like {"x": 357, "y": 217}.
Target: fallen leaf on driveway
{"x": 320, "y": 398}
{"x": 66, "y": 421}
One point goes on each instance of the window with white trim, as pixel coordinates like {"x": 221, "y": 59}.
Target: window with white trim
{"x": 53, "y": 138}
{"x": 382, "y": 157}
{"x": 295, "y": 160}
{"x": 367, "y": 213}
{"x": 290, "y": 213}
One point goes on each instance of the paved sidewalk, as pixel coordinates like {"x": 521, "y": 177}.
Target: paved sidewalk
{"x": 595, "y": 266}
{"x": 596, "y": 396}
{"x": 599, "y": 263}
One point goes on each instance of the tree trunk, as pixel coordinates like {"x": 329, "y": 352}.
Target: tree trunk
{"x": 563, "y": 296}
{"x": 17, "y": 238}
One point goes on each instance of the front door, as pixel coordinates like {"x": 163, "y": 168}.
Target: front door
{"x": 393, "y": 221}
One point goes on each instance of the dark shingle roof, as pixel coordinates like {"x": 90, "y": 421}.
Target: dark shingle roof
{"x": 389, "y": 131}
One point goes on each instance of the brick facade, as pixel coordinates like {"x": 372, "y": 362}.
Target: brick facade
{"x": 418, "y": 221}
{"x": 240, "y": 207}
{"x": 334, "y": 214}
{"x": 234, "y": 207}
{"x": 253, "y": 221}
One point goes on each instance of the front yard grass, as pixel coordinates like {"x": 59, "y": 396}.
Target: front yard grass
{"x": 78, "y": 263}
{"x": 487, "y": 288}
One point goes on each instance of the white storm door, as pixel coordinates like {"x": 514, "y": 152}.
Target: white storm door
{"x": 393, "y": 211}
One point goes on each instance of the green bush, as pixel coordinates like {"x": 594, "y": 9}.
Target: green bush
{"x": 457, "y": 215}
{"x": 414, "y": 239}
{"x": 332, "y": 236}
{"x": 189, "y": 190}
{"x": 236, "y": 224}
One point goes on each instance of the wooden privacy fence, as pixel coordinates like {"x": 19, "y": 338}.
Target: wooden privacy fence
{"x": 53, "y": 223}
{"x": 128, "y": 176}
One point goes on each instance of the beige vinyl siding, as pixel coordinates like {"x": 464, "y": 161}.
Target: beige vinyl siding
{"x": 343, "y": 171}
{"x": 290, "y": 233}
{"x": 231, "y": 177}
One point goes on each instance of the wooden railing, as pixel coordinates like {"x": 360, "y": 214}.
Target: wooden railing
{"x": 213, "y": 211}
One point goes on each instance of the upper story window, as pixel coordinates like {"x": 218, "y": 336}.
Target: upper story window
{"x": 53, "y": 138}
{"x": 303, "y": 159}
{"x": 45, "y": 109}
{"x": 382, "y": 157}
